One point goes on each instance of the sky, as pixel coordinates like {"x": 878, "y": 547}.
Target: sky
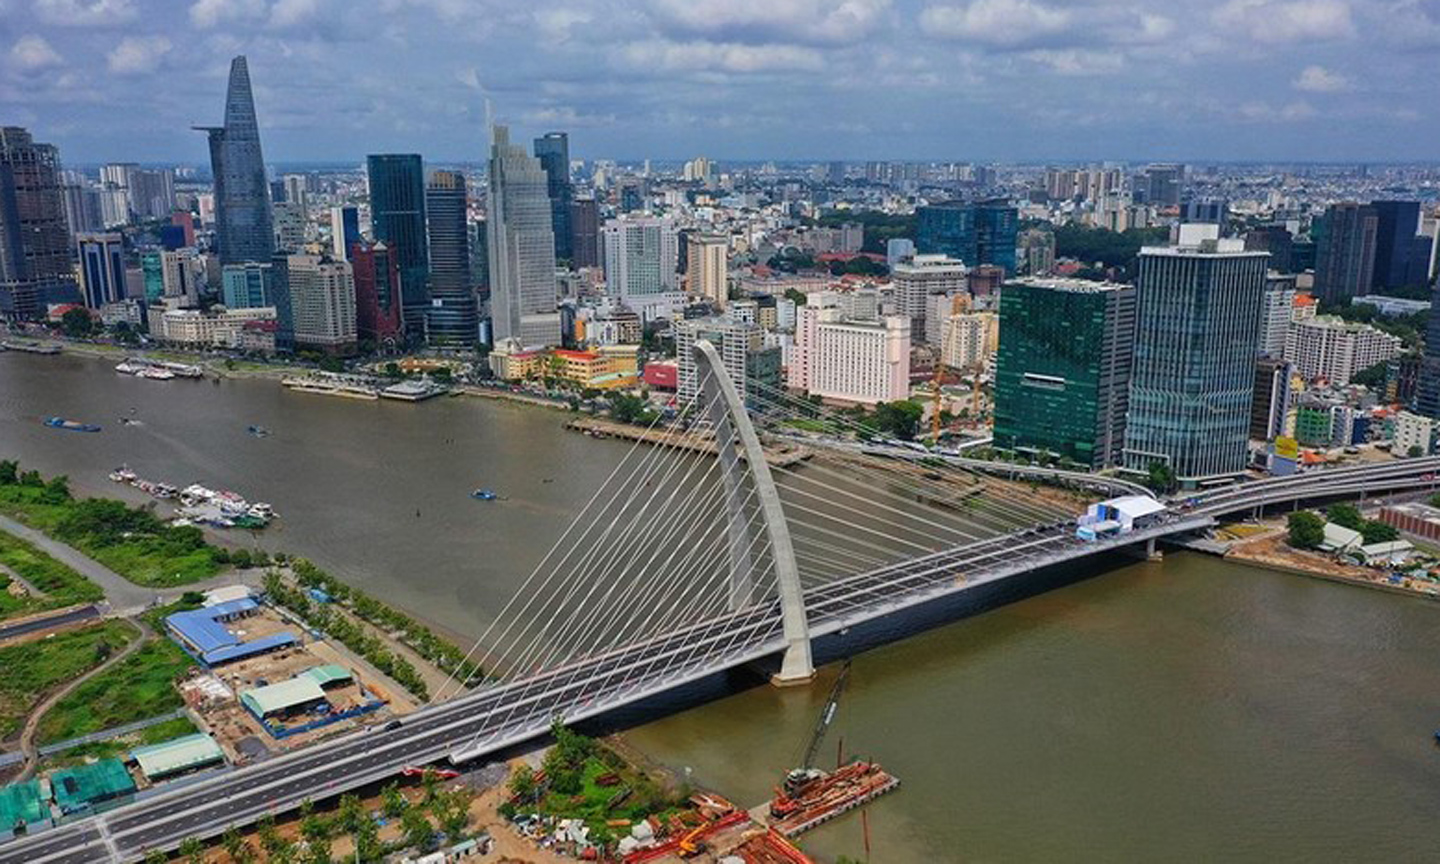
{"x": 961, "y": 80}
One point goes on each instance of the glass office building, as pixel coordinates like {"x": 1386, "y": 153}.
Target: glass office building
{"x": 397, "y": 216}
{"x": 984, "y": 232}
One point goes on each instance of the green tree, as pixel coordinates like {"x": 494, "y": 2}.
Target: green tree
{"x": 416, "y": 826}
{"x": 899, "y": 419}
{"x": 331, "y": 364}
{"x": 156, "y": 856}
{"x": 522, "y": 782}
{"x": 1306, "y": 530}
{"x": 393, "y": 803}
{"x": 1345, "y": 515}
{"x": 1375, "y": 531}
{"x": 1160, "y": 477}
{"x": 315, "y": 829}
{"x": 452, "y": 811}
{"x": 236, "y": 846}
{"x": 9, "y": 472}
{"x": 350, "y": 814}
{"x": 1373, "y": 377}
{"x": 1415, "y": 451}
{"x": 77, "y": 323}
{"x": 192, "y": 850}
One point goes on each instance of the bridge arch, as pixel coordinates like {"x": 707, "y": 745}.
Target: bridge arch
{"x": 732, "y": 424}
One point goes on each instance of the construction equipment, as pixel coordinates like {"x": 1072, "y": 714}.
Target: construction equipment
{"x": 935, "y": 403}
{"x": 797, "y": 779}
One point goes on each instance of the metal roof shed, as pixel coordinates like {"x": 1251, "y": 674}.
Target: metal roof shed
{"x": 84, "y": 785}
{"x": 21, "y": 804}
{"x": 282, "y": 696}
{"x": 330, "y": 673}
{"x": 177, "y": 755}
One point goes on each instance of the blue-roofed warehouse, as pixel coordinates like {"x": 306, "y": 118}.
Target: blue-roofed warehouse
{"x": 202, "y": 633}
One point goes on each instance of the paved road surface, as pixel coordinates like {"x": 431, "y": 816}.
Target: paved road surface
{"x": 48, "y": 622}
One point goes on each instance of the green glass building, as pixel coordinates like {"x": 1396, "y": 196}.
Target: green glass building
{"x": 1063, "y": 369}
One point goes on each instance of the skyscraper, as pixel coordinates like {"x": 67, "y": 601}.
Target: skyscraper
{"x": 521, "y": 246}
{"x": 980, "y": 233}
{"x": 248, "y": 286}
{"x": 377, "y": 295}
{"x": 452, "y": 318}
{"x": 1062, "y": 374}
{"x": 641, "y": 253}
{"x": 1163, "y": 183}
{"x": 397, "y": 213}
{"x": 102, "y": 268}
{"x": 585, "y": 233}
{"x": 1396, "y": 224}
{"x": 553, "y": 151}
{"x": 344, "y": 230}
{"x": 1345, "y": 252}
{"x": 34, "y": 236}
{"x": 1197, "y": 328}
{"x": 242, "y": 195}
{"x": 707, "y": 262}
{"x": 916, "y": 279}
{"x": 322, "y": 297}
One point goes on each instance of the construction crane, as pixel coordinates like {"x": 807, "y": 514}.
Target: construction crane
{"x": 806, "y": 773}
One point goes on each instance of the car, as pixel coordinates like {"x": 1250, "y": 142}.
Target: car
{"x": 392, "y": 725}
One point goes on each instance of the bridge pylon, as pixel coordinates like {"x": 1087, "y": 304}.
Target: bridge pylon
{"x": 731, "y": 422}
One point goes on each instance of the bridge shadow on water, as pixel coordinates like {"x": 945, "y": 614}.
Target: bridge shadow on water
{"x": 855, "y": 640}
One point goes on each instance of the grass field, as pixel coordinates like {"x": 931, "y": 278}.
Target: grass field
{"x": 62, "y": 585}
{"x": 140, "y": 686}
{"x": 32, "y": 669}
{"x": 116, "y": 747}
{"x": 155, "y": 555}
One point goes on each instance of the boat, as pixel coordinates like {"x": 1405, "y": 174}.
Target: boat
{"x": 483, "y": 495}
{"x": 261, "y": 510}
{"x": 257, "y": 431}
{"x": 155, "y": 373}
{"x": 122, "y": 475}
{"x": 129, "y": 368}
{"x": 72, "y": 425}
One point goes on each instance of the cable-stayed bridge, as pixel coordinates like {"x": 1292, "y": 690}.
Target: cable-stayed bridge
{"x": 700, "y": 553}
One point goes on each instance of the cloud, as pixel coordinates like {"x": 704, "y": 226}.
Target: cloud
{"x": 1318, "y": 79}
{"x": 1278, "y": 22}
{"x": 286, "y": 14}
{"x": 1076, "y": 62}
{"x": 136, "y": 55}
{"x": 1004, "y": 23}
{"x": 720, "y": 56}
{"x": 210, "y": 13}
{"x": 1262, "y": 112}
{"x": 557, "y": 23}
{"x": 33, "y": 54}
{"x": 563, "y": 116}
{"x": 833, "y": 22}
{"x": 84, "y": 13}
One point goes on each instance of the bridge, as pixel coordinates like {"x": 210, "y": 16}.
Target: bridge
{"x": 680, "y": 568}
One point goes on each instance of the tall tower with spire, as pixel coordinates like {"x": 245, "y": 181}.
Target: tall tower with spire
{"x": 242, "y": 195}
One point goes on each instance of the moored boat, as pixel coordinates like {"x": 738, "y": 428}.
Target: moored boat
{"x": 71, "y": 425}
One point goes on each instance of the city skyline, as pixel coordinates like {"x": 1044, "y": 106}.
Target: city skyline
{"x": 1246, "y": 80}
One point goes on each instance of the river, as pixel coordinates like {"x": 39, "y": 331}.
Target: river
{"x": 1188, "y": 710}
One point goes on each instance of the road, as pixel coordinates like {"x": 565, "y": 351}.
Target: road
{"x": 496, "y": 716}
{"x": 32, "y": 723}
{"x": 48, "y": 622}
{"x": 125, "y": 597}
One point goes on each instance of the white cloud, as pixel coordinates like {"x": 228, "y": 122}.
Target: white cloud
{"x": 1077, "y": 62}
{"x": 1154, "y": 28}
{"x": 1277, "y": 21}
{"x": 810, "y": 21}
{"x": 84, "y": 13}
{"x": 209, "y": 13}
{"x": 1263, "y": 112}
{"x": 33, "y": 54}
{"x": 557, "y": 23}
{"x": 1318, "y": 79}
{"x": 564, "y": 115}
{"x": 995, "y": 22}
{"x": 136, "y": 55}
{"x": 295, "y": 13}
{"x": 720, "y": 56}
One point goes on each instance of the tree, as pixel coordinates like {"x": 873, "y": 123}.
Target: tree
{"x": 416, "y": 826}
{"x": 393, "y": 803}
{"x": 76, "y": 323}
{"x": 452, "y": 811}
{"x": 1306, "y": 530}
{"x": 351, "y": 814}
{"x": 522, "y": 783}
{"x": 1372, "y": 376}
{"x": 1415, "y": 451}
{"x": 57, "y": 491}
{"x": 9, "y": 472}
{"x": 331, "y": 364}
{"x": 1160, "y": 477}
{"x": 899, "y": 419}
{"x": 315, "y": 829}
{"x": 1375, "y": 531}
{"x": 192, "y": 850}
{"x": 236, "y": 846}
{"x": 156, "y": 856}
{"x": 1345, "y": 515}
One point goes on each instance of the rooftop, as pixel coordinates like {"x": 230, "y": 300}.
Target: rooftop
{"x": 300, "y": 690}
{"x": 1077, "y": 286}
{"x": 76, "y": 787}
{"x": 177, "y": 754}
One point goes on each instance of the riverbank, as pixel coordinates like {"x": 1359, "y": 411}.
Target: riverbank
{"x": 779, "y": 456}
{"x": 1270, "y": 551}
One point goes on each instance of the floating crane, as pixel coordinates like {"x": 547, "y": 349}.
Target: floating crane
{"x": 806, "y": 773}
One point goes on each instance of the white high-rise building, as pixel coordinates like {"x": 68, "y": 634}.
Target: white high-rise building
{"x": 641, "y": 253}
{"x": 1334, "y": 349}
{"x": 182, "y": 273}
{"x": 706, "y": 267}
{"x": 915, "y": 280}
{"x": 296, "y": 193}
{"x": 863, "y": 362}
{"x": 735, "y": 341}
{"x": 521, "y": 245}
{"x": 699, "y": 169}
{"x": 1276, "y": 311}
{"x": 322, "y": 300}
